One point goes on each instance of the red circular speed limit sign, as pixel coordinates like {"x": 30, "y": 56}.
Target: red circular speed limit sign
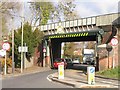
{"x": 44, "y": 50}
{"x": 6, "y": 46}
{"x": 114, "y": 41}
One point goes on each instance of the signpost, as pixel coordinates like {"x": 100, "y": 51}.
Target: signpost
{"x": 91, "y": 75}
{"x": 6, "y": 47}
{"x": 22, "y": 50}
{"x": 108, "y": 48}
{"x": 114, "y": 43}
{"x": 61, "y": 70}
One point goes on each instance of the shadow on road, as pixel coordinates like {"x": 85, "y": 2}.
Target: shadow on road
{"x": 80, "y": 67}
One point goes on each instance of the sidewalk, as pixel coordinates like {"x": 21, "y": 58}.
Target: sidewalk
{"x": 78, "y": 79}
{"x": 31, "y": 70}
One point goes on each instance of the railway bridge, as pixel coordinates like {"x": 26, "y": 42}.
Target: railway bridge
{"x": 100, "y": 29}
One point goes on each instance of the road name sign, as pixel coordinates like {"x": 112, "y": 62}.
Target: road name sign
{"x": 23, "y": 49}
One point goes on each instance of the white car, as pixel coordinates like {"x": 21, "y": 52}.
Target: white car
{"x": 76, "y": 60}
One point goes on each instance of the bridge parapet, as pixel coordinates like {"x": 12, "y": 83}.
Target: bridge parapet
{"x": 107, "y": 19}
{"x": 89, "y": 23}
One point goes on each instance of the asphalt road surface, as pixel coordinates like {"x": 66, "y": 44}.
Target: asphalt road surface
{"x": 37, "y": 80}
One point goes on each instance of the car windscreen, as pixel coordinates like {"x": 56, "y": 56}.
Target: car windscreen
{"x": 68, "y": 60}
{"x": 58, "y": 60}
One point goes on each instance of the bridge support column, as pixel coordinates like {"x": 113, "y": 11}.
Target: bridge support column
{"x": 56, "y": 49}
{"x": 47, "y": 59}
{"x": 44, "y": 52}
{"x": 98, "y": 42}
{"x": 97, "y": 57}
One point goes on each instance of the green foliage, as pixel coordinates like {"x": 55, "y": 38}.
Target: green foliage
{"x": 69, "y": 50}
{"x": 111, "y": 73}
{"x": 30, "y": 38}
{"x": 42, "y": 11}
{"x": 90, "y": 45}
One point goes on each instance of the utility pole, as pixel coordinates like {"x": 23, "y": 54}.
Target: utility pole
{"x": 22, "y": 39}
{"x": 13, "y": 64}
{"x": 22, "y": 50}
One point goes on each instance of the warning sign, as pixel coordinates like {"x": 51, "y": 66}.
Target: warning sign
{"x": 114, "y": 41}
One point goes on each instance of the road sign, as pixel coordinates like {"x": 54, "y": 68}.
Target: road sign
{"x": 44, "y": 50}
{"x": 23, "y": 49}
{"x": 114, "y": 41}
{"x": 6, "y": 46}
{"x": 2, "y": 53}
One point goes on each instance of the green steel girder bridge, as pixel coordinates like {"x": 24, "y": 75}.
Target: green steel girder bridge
{"x": 97, "y": 28}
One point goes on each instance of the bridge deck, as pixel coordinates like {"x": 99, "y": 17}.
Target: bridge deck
{"x": 101, "y": 20}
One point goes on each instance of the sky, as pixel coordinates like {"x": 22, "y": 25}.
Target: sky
{"x": 89, "y": 8}
{"x": 84, "y": 8}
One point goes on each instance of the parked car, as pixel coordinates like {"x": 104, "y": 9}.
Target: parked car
{"x": 69, "y": 62}
{"x": 76, "y": 61}
{"x": 58, "y": 61}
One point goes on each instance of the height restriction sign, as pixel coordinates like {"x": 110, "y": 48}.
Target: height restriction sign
{"x": 6, "y": 46}
{"x": 114, "y": 41}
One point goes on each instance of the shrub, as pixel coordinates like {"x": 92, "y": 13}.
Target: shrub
{"x": 8, "y": 62}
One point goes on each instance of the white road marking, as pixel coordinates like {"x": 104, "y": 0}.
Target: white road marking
{"x": 49, "y": 78}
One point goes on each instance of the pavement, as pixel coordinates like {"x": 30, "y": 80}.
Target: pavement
{"x": 30, "y": 70}
{"x": 78, "y": 79}
{"x": 75, "y": 78}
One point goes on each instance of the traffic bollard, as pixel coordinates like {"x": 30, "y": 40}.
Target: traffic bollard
{"x": 91, "y": 75}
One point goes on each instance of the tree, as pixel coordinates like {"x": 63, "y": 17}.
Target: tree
{"x": 44, "y": 11}
{"x": 67, "y": 8}
{"x": 69, "y": 50}
{"x": 91, "y": 45}
{"x": 41, "y": 12}
{"x": 31, "y": 38}
{"x": 7, "y": 11}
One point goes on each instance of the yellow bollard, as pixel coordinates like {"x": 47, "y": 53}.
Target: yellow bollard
{"x": 61, "y": 71}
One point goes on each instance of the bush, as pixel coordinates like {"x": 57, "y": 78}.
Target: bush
{"x": 8, "y": 62}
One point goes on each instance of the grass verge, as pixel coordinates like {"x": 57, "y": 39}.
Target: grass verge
{"x": 110, "y": 73}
